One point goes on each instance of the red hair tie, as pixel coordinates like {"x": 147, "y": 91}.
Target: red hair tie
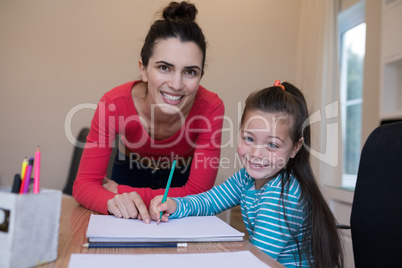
{"x": 278, "y": 84}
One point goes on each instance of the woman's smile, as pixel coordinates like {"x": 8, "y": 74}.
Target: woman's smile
{"x": 173, "y": 99}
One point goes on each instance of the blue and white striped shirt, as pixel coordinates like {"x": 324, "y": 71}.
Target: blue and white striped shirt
{"x": 262, "y": 212}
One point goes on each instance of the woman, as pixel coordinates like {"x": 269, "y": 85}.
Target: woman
{"x": 164, "y": 116}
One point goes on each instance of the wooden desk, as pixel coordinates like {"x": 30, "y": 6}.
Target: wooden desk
{"x": 73, "y": 227}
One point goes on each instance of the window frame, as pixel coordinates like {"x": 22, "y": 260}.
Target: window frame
{"x": 347, "y": 20}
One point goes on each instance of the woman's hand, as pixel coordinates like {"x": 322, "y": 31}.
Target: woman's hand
{"x": 110, "y": 185}
{"x": 128, "y": 206}
{"x": 157, "y": 206}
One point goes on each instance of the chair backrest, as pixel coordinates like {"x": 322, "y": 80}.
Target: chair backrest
{"x": 75, "y": 160}
{"x": 376, "y": 218}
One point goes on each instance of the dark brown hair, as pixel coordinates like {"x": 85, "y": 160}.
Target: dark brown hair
{"x": 178, "y": 22}
{"x": 321, "y": 241}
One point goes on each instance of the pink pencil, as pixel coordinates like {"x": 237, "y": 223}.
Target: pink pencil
{"x": 37, "y": 171}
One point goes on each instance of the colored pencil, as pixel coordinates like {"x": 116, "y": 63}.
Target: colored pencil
{"x": 28, "y": 174}
{"x": 168, "y": 186}
{"x": 36, "y": 171}
{"x": 23, "y": 170}
{"x": 134, "y": 245}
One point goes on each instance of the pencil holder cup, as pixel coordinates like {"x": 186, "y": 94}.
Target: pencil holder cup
{"x": 29, "y": 227}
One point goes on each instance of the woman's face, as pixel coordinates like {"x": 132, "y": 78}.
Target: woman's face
{"x": 173, "y": 75}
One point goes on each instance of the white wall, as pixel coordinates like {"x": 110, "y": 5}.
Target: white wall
{"x": 58, "y": 54}
{"x": 371, "y": 80}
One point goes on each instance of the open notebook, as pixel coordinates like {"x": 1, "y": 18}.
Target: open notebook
{"x": 106, "y": 228}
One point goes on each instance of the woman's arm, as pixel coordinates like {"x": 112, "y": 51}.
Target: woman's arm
{"x": 88, "y": 187}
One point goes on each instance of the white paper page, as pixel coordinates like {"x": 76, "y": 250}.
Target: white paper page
{"x": 239, "y": 259}
{"x": 209, "y": 228}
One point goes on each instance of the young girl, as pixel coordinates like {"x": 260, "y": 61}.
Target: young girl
{"x": 282, "y": 207}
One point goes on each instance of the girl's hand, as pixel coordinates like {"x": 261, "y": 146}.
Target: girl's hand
{"x": 128, "y": 206}
{"x": 156, "y": 206}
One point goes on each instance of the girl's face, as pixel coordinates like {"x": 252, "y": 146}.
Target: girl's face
{"x": 265, "y": 145}
{"x": 173, "y": 74}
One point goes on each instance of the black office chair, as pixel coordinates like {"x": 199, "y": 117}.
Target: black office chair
{"x": 76, "y": 158}
{"x": 376, "y": 218}
{"x": 75, "y": 161}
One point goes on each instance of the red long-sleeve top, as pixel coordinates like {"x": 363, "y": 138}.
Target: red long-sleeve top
{"x": 199, "y": 137}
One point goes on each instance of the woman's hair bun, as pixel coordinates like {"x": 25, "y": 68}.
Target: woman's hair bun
{"x": 183, "y": 10}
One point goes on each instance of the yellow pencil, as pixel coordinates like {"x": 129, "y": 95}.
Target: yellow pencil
{"x": 24, "y": 166}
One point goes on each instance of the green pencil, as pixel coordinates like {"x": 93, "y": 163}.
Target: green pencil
{"x": 168, "y": 186}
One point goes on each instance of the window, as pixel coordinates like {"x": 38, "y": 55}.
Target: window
{"x": 352, "y": 37}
